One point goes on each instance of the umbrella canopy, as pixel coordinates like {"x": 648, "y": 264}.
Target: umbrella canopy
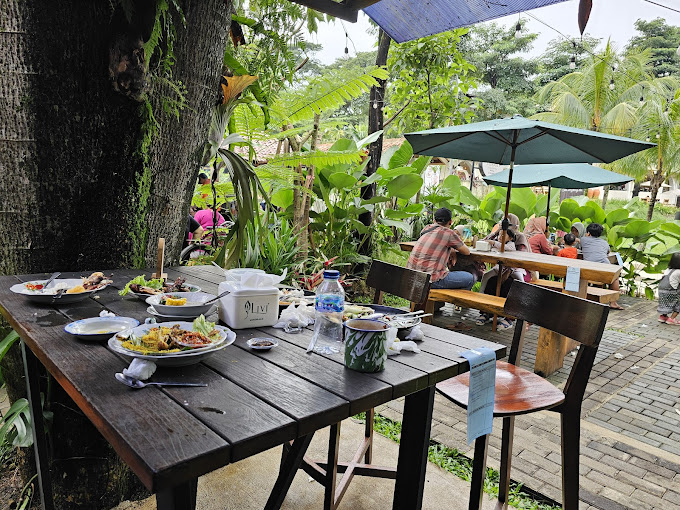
{"x": 534, "y": 142}
{"x": 567, "y": 176}
{"x": 522, "y": 141}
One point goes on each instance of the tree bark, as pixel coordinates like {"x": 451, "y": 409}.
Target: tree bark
{"x": 655, "y": 184}
{"x": 605, "y": 196}
{"x": 375, "y": 123}
{"x": 85, "y": 184}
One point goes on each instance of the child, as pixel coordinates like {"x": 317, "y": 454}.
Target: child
{"x": 570, "y": 251}
{"x": 669, "y": 292}
{"x": 595, "y": 249}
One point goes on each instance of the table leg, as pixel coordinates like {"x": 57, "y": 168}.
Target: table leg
{"x": 289, "y": 468}
{"x": 179, "y": 497}
{"x": 553, "y": 347}
{"x": 31, "y": 365}
{"x": 415, "y": 441}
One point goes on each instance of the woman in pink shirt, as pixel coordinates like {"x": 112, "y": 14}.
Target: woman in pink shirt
{"x": 205, "y": 217}
{"x": 535, "y": 233}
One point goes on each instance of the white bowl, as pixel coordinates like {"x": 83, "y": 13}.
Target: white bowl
{"x": 166, "y": 318}
{"x": 100, "y": 328}
{"x": 194, "y": 306}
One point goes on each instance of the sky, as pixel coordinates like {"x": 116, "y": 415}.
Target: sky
{"x": 609, "y": 19}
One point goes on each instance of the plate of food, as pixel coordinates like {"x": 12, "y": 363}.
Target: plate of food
{"x": 173, "y": 344}
{"x": 262, "y": 343}
{"x": 288, "y": 295}
{"x": 141, "y": 288}
{"x": 356, "y": 312}
{"x": 185, "y": 304}
{"x": 95, "y": 329}
{"x": 66, "y": 290}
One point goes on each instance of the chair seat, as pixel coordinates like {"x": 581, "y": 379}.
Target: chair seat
{"x": 518, "y": 391}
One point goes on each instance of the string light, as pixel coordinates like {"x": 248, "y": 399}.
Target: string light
{"x": 572, "y": 62}
{"x": 375, "y": 104}
{"x": 658, "y": 135}
{"x": 518, "y": 30}
{"x": 642, "y": 100}
{"x": 611, "y": 84}
{"x": 346, "y": 48}
{"x": 647, "y": 139}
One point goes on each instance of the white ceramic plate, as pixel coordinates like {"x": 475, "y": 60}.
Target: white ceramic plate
{"x": 165, "y": 318}
{"x": 48, "y": 296}
{"x": 174, "y": 359}
{"x": 194, "y": 306}
{"x": 253, "y": 343}
{"x": 100, "y": 328}
{"x": 144, "y": 297}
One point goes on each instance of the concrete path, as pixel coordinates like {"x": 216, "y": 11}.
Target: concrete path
{"x": 246, "y": 484}
{"x": 630, "y": 445}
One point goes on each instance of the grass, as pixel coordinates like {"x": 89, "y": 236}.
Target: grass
{"x": 454, "y": 462}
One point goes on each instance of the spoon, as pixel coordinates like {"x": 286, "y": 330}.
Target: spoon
{"x": 217, "y": 297}
{"x": 137, "y": 384}
{"x": 49, "y": 280}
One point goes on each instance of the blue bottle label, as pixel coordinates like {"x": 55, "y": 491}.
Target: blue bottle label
{"x": 329, "y": 303}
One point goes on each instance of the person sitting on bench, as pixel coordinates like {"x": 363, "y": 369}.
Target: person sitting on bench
{"x": 595, "y": 249}
{"x": 436, "y": 246}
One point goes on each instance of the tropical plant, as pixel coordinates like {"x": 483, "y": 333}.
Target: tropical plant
{"x": 431, "y": 78}
{"x": 598, "y": 96}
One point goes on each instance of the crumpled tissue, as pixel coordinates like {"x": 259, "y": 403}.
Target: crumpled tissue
{"x": 415, "y": 334}
{"x": 394, "y": 346}
{"x": 251, "y": 280}
{"x": 140, "y": 369}
{"x": 294, "y": 316}
{"x": 106, "y": 313}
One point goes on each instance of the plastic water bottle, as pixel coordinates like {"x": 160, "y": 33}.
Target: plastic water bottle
{"x": 329, "y": 305}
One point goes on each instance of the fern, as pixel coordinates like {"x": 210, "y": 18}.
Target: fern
{"x": 316, "y": 158}
{"x": 329, "y": 96}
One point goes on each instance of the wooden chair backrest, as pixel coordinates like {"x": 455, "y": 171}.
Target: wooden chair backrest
{"x": 399, "y": 281}
{"x": 571, "y": 316}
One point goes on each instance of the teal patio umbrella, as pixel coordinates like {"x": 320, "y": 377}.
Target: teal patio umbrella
{"x": 522, "y": 141}
{"x": 566, "y": 176}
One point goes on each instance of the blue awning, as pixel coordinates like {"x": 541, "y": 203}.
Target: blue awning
{"x": 405, "y": 20}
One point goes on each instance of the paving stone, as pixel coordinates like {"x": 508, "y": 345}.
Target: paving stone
{"x": 642, "y": 485}
{"x": 611, "y": 483}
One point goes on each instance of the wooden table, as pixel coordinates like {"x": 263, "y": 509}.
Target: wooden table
{"x": 254, "y": 400}
{"x": 552, "y": 348}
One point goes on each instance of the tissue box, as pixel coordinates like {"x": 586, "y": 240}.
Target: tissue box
{"x": 249, "y": 308}
{"x": 483, "y": 246}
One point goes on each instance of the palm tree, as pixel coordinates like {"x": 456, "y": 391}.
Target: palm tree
{"x": 658, "y": 117}
{"x": 598, "y": 96}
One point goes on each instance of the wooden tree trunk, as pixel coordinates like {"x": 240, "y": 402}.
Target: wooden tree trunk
{"x": 84, "y": 183}
{"x": 655, "y": 184}
{"x": 375, "y": 123}
{"x": 605, "y": 196}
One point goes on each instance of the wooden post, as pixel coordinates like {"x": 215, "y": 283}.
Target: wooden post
{"x": 160, "y": 259}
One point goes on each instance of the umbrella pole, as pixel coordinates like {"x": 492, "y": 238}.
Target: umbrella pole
{"x": 547, "y": 210}
{"x": 515, "y": 135}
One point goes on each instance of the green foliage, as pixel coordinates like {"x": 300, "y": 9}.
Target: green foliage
{"x": 662, "y": 40}
{"x": 432, "y": 76}
{"x": 16, "y": 425}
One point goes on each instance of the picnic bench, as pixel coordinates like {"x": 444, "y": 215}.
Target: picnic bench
{"x": 292, "y": 394}
{"x": 552, "y": 347}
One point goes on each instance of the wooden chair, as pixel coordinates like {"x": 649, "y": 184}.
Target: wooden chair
{"x": 519, "y": 391}
{"x": 407, "y": 284}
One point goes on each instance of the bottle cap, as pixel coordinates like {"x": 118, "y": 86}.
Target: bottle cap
{"x": 331, "y": 274}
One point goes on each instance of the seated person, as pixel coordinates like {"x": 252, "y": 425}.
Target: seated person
{"x": 193, "y": 230}
{"x": 437, "y": 245}
{"x": 579, "y": 231}
{"x": 535, "y": 231}
{"x": 569, "y": 251}
{"x": 203, "y": 179}
{"x": 596, "y": 249}
{"x": 207, "y": 217}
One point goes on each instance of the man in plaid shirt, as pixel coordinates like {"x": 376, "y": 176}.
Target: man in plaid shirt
{"x": 438, "y": 244}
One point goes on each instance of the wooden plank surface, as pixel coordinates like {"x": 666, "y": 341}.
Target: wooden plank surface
{"x": 254, "y": 399}
{"x": 544, "y": 264}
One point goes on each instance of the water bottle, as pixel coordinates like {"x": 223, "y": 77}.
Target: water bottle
{"x": 329, "y": 305}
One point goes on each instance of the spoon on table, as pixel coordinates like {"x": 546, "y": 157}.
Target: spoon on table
{"x": 217, "y": 297}
{"x": 137, "y": 384}
{"x": 49, "y": 280}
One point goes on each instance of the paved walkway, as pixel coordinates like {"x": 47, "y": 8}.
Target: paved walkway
{"x": 630, "y": 444}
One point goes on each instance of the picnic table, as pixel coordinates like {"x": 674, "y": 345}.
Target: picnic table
{"x": 552, "y": 348}
{"x": 254, "y": 400}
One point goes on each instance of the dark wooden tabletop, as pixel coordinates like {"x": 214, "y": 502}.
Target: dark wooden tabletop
{"x": 254, "y": 400}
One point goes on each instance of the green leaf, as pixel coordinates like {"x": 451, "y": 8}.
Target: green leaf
{"x": 397, "y": 215}
{"x": 342, "y": 181}
{"x": 421, "y": 163}
{"x": 673, "y": 228}
{"x": 395, "y": 223}
{"x": 636, "y": 228}
{"x": 616, "y": 216}
{"x": 375, "y": 200}
{"x": 371, "y": 179}
{"x": 402, "y": 156}
{"x": 283, "y": 198}
{"x": 561, "y": 223}
{"x": 391, "y": 173}
{"x": 369, "y": 139}
{"x": 343, "y": 144}
{"x": 524, "y": 198}
{"x": 405, "y": 186}
{"x": 7, "y": 342}
{"x": 568, "y": 208}
{"x": 414, "y": 208}
{"x": 649, "y": 293}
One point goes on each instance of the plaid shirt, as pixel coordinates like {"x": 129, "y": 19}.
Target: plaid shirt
{"x": 431, "y": 252}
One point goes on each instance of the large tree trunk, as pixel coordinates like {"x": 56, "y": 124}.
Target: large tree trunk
{"x": 375, "y": 123}
{"x": 605, "y": 196}
{"x": 654, "y": 185}
{"x": 85, "y": 183}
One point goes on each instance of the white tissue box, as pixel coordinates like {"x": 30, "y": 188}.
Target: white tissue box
{"x": 483, "y": 246}
{"x": 249, "y": 308}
